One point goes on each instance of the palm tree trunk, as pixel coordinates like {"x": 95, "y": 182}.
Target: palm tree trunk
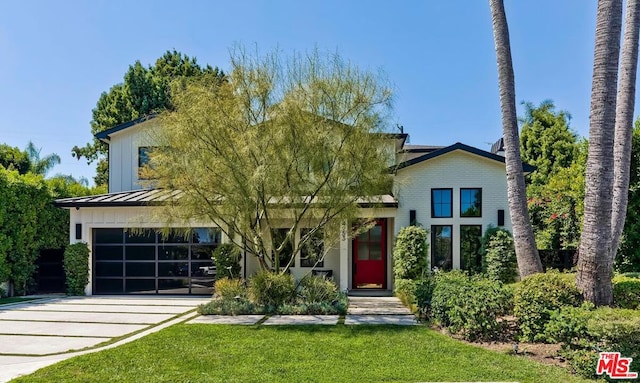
{"x": 624, "y": 122}
{"x": 525, "y": 244}
{"x": 595, "y": 266}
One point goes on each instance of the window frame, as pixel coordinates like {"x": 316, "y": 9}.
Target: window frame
{"x": 433, "y": 203}
{"x": 462, "y": 215}
{"x": 433, "y": 246}
{"x": 462, "y": 237}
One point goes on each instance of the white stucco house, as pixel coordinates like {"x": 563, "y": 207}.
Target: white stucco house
{"x": 455, "y": 192}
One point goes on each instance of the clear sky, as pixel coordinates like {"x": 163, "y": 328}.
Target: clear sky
{"x": 56, "y": 57}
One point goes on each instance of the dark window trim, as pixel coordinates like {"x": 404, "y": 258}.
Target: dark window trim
{"x": 471, "y": 216}
{"x": 433, "y": 239}
{"x": 433, "y": 210}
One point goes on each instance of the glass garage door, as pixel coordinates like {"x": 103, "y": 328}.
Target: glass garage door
{"x": 148, "y": 262}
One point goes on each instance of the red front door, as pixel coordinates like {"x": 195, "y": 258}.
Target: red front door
{"x": 370, "y": 258}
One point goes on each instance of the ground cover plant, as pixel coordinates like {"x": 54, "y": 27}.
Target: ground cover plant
{"x": 219, "y": 353}
{"x": 4, "y": 301}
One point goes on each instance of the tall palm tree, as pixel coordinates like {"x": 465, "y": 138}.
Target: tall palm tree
{"x": 525, "y": 244}
{"x": 624, "y": 121}
{"x": 39, "y": 165}
{"x": 595, "y": 265}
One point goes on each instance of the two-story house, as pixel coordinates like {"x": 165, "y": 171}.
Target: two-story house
{"x": 455, "y": 192}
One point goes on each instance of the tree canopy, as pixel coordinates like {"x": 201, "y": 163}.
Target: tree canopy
{"x": 288, "y": 142}
{"x": 144, "y": 90}
{"x": 12, "y": 158}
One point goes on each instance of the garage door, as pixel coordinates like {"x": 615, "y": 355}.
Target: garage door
{"x": 149, "y": 262}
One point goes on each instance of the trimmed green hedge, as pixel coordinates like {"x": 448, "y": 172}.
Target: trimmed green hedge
{"x": 626, "y": 292}
{"x": 76, "y": 268}
{"x": 410, "y": 260}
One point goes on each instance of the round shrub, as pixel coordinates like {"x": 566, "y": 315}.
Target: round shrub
{"x": 227, "y": 260}
{"x": 230, "y": 289}
{"x": 272, "y": 289}
{"x": 626, "y": 292}
{"x": 500, "y": 257}
{"x": 312, "y": 289}
{"x": 537, "y": 296}
{"x": 410, "y": 253}
{"x": 76, "y": 268}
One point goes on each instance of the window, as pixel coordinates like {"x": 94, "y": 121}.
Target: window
{"x": 441, "y": 247}
{"x": 441, "y": 206}
{"x": 143, "y": 160}
{"x": 470, "y": 248}
{"x": 278, "y": 237}
{"x": 471, "y": 202}
{"x": 312, "y": 250}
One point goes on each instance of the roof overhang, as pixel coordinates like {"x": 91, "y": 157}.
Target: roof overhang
{"x": 105, "y": 135}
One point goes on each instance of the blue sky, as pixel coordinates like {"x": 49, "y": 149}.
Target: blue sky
{"x": 56, "y": 57}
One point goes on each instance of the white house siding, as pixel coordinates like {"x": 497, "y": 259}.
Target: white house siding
{"x": 123, "y": 157}
{"x": 455, "y": 170}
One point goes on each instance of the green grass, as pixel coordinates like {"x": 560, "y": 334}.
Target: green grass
{"x": 4, "y": 301}
{"x": 215, "y": 353}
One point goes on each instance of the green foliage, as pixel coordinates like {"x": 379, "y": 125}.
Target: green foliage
{"x": 626, "y": 292}
{"x": 76, "y": 268}
{"x": 41, "y": 165}
{"x": 628, "y": 255}
{"x": 317, "y": 289}
{"x": 230, "y": 289}
{"x": 568, "y": 324}
{"x": 470, "y": 306}
{"x": 283, "y": 133}
{"x": 28, "y": 222}
{"x": 501, "y": 258}
{"x": 12, "y": 158}
{"x": 537, "y": 296}
{"x": 405, "y": 290}
{"x": 271, "y": 289}
{"x": 143, "y": 91}
{"x": 410, "y": 253}
{"x": 228, "y": 307}
{"x": 227, "y": 259}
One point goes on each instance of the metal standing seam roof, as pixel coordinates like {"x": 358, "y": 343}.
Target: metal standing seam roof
{"x": 150, "y": 197}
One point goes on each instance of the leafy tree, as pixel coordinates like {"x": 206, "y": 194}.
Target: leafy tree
{"x": 296, "y": 135}
{"x": 40, "y": 165}
{"x": 143, "y": 91}
{"x": 525, "y": 244}
{"x": 12, "y": 158}
{"x": 628, "y": 256}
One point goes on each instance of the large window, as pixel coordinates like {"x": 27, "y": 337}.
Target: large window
{"x": 286, "y": 254}
{"x": 441, "y": 247}
{"x": 470, "y": 248}
{"x": 313, "y": 250}
{"x": 143, "y": 160}
{"x": 148, "y": 262}
{"x": 441, "y": 203}
{"x": 471, "y": 202}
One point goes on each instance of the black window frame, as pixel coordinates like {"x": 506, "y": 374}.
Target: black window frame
{"x": 462, "y": 213}
{"x": 433, "y": 203}
{"x": 433, "y": 247}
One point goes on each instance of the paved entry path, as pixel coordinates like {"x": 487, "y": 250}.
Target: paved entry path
{"x": 378, "y": 310}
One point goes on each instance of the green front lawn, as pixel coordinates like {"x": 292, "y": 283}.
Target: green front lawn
{"x": 215, "y": 353}
{"x": 4, "y": 301}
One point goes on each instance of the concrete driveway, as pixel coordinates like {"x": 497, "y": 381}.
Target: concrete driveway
{"x": 37, "y": 333}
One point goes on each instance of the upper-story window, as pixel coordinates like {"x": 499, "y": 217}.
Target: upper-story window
{"x": 441, "y": 203}
{"x": 471, "y": 202}
{"x": 143, "y": 160}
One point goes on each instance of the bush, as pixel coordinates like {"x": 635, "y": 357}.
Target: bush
{"x": 271, "y": 289}
{"x": 227, "y": 260}
{"x": 424, "y": 295}
{"x": 626, "y": 292}
{"x": 537, "y": 296}
{"x": 410, "y": 253}
{"x": 230, "y": 289}
{"x": 470, "y": 306}
{"x": 405, "y": 290}
{"x": 500, "y": 257}
{"x": 484, "y": 243}
{"x": 229, "y": 307}
{"x": 312, "y": 289}
{"x": 76, "y": 268}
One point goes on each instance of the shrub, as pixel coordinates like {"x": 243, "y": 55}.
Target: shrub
{"x": 470, "y": 306}
{"x": 312, "y": 289}
{"x": 537, "y": 296}
{"x": 76, "y": 268}
{"x": 336, "y": 306}
{"x": 229, "y": 307}
{"x": 271, "y": 289}
{"x": 230, "y": 289}
{"x": 227, "y": 260}
{"x": 405, "y": 290}
{"x": 568, "y": 325}
{"x": 500, "y": 257}
{"x": 424, "y": 295}
{"x": 410, "y": 253}
{"x": 626, "y": 292}
{"x": 484, "y": 243}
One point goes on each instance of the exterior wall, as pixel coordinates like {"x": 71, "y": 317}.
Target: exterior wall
{"x": 123, "y": 157}
{"x": 454, "y": 170}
